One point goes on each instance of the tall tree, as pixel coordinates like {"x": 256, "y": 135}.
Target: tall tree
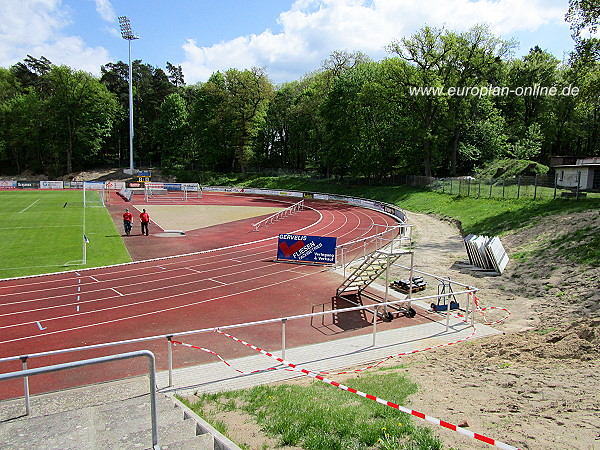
{"x": 9, "y": 85}
{"x": 31, "y": 70}
{"x": 363, "y": 126}
{"x": 211, "y": 124}
{"x": 81, "y": 113}
{"x": 584, "y": 16}
{"x": 248, "y": 95}
{"x": 172, "y": 131}
{"x": 175, "y": 75}
{"x": 428, "y": 53}
{"x": 477, "y": 62}
{"x": 150, "y": 88}
{"x": 22, "y": 131}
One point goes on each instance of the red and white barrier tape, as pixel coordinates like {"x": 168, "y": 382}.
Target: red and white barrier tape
{"x": 418, "y": 414}
{"x": 362, "y": 369}
{"x": 219, "y": 356}
{"x": 481, "y": 311}
{"x": 318, "y": 376}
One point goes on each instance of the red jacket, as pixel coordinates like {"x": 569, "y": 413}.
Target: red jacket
{"x": 144, "y": 217}
{"x": 128, "y": 216}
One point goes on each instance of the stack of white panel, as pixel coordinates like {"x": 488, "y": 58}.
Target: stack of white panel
{"x": 497, "y": 254}
{"x": 486, "y": 253}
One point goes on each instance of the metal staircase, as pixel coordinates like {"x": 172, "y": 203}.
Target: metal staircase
{"x": 372, "y": 267}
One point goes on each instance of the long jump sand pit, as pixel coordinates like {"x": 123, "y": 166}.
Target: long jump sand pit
{"x": 192, "y": 217}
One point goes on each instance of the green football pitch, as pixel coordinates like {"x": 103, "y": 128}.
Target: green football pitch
{"x": 43, "y": 231}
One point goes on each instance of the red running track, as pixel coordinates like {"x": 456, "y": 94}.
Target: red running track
{"x": 231, "y": 278}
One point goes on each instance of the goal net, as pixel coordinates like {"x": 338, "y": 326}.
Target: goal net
{"x": 171, "y": 191}
{"x": 94, "y": 194}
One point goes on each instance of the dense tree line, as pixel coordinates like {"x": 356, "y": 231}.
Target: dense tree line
{"x": 442, "y": 103}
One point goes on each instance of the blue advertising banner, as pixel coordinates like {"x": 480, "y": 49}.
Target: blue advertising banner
{"x": 302, "y": 248}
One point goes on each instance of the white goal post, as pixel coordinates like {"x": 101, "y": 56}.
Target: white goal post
{"x": 171, "y": 191}
{"x": 94, "y": 193}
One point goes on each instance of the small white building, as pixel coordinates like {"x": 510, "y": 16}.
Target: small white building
{"x": 574, "y": 172}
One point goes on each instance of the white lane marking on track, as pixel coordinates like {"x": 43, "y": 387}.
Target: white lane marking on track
{"x": 40, "y": 326}
{"x": 267, "y": 275}
{"x": 200, "y": 253}
{"x": 25, "y": 209}
{"x": 217, "y": 281}
{"x": 220, "y": 256}
{"x": 176, "y": 307}
{"x": 95, "y": 279}
{"x": 113, "y": 289}
{"x": 331, "y": 221}
{"x": 205, "y": 252}
{"x": 262, "y": 246}
{"x": 138, "y": 284}
{"x": 148, "y": 313}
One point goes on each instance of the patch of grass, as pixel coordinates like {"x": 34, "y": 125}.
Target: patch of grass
{"x": 544, "y": 331}
{"x": 319, "y": 416}
{"x": 42, "y": 231}
{"x": 476, "y": 215}
{"x": 582, "y": 246}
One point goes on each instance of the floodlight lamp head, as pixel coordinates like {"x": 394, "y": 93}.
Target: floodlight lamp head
{"x": 126, "y": 31}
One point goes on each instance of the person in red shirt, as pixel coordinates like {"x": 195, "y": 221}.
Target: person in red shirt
{"x": 127, "y": 218}
{"x": 145, "y": 219}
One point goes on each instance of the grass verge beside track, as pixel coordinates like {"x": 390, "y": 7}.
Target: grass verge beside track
{"x": 42, "y": 231}
{"x": 482, "y": 216}
{"x": 316, "y": 416}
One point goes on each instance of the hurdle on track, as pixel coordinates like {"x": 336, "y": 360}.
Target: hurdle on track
{"x": 280, "y": 215}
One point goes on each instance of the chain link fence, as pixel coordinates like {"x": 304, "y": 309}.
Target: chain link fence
{"x": 536, "y": 187}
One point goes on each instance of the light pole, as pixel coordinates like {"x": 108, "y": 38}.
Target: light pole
{"x": 128, "y": 35}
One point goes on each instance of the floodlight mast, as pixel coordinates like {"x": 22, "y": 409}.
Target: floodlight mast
{"x": 128, "y": 35}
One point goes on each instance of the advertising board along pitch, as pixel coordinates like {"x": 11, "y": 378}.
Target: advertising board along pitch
{"x": 306, "y": 249}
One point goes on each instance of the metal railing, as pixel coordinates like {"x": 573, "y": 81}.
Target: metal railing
{"x": 397, "y": 236}
{"x": 282, "y": 320}
{"x": 26, "y": 373}
{"x": 279, "y": 215}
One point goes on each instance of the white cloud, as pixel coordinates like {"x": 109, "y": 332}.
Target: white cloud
{"x": 105, "y": 10}
{"x": 73, "y": 52}
{"x": 312, "y": 29}
{"x": 36, "y": 27}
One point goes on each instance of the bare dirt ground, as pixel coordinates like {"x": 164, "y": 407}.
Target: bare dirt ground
{"x": 537, "y": 385}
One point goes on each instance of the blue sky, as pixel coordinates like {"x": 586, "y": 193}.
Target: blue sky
{"x": 288, "y": 38}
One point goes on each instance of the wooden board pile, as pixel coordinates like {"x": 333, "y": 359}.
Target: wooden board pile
{"x": 486, "y": 252}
